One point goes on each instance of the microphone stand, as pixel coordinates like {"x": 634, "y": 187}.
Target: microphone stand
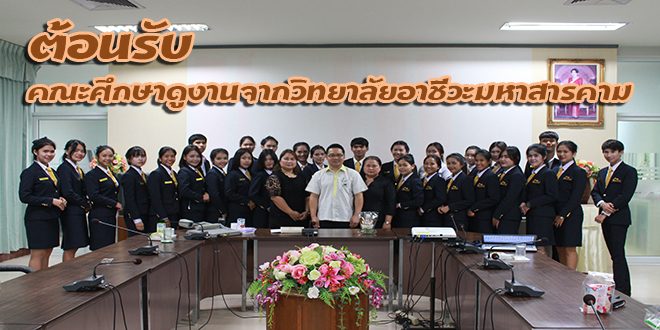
{"x": 96, "y": 281}
{"x": 431, "y": 284}
{"x": 462, "y": 246}
{"x": 517, "y": 289}
{"x": 147, "y": 250}
{"x": 492, "y": 260}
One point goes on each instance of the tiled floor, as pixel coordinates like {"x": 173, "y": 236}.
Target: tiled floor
{"x": 644, "y": 281}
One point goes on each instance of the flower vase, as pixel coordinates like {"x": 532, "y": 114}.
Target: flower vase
{"x": 297, "y": 312}
{"x": 586, "y": 195}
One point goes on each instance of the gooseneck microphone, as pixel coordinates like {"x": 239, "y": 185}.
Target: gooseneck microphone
{"x": 463, "y": 246}
{"x": 147, "y": 250}
{"x": 590, "y": 300}
{"x": 517, "y": 289}
{"x": 96, "y": 281}
{"x": 136, "y": 261}
{"x": 493, "y": 261}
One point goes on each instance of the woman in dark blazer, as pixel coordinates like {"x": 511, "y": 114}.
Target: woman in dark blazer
{"x": 136, "y": 193}
{"x": 286, "y": 188}
{"x": 192, "y": 187}
{"x": 163, "y": 189}
{"x": 435, "y": 192}
{"x": 257, "y": 192}
{"x": 103, "y": 190}
{"x": 74, "y": 218}
{"x": 409, "y": 194}
{"x": 486, "y": 194}
{"x": 496, "y": 149}
{"x": 246, "y": 142}
{"x": 507, "y": 216}
{"x": 302, "y": 154}
{"x": 318, "y": 162}
{"x": 39, "y": 188}
{"x": 571, "y": 182}
{"x": 539, "y": 197}
{"x": 380, "y": 196}
{"x": 460, "y": 195}
{"x": 215, "y": 186}
{"x": 237, "y": 187}
{"x": 391, "y": 169}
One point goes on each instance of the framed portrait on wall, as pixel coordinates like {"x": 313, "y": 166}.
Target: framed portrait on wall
{"x": 579, "y": 72}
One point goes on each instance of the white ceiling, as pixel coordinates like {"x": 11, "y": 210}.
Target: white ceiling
{"x": 249, "y": 22}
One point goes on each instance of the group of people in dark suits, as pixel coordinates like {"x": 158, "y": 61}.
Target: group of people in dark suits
{"x": 480, "y": 190}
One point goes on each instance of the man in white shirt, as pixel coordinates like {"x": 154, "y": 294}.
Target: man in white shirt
{"x": 336, "y": 193}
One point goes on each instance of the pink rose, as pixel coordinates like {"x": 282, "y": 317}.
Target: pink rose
{"x": 284, "y": 268}
{"x": 347, "y": 268}
{"x": 298, "y": 271}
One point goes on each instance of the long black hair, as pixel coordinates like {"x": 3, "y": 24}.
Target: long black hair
{"x": 236, "y": 164}
{"x": 103, "y": 148}
{"x": 261, "y": 162}
{"x": 162, "y": 151}
{"x": 188, "y": 149}
{"x": 40, "y": 143}
{"x": 71, "y": 146}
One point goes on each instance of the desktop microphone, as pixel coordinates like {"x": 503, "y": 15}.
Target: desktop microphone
{"x": 590, "y": 300}
{"x": 147, "y": 250}
{"x": 463, "y": 246}
{"x": 517, "y": 289}
{"x": 96, "y": 281}
{"x": 493, "y": 261}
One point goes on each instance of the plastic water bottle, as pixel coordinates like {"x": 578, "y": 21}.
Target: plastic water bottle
{"x": 160, "y": 228}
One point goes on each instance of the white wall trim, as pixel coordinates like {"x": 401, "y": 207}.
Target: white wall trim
{"x": 638, "y": 118}
{"x": 38, "y": 117}
{"x": 643, "y": 260}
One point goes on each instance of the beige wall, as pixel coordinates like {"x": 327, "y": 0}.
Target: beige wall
{"x": 588, "y": 139}
{"x": 152, "y": 127}
{"x": 147, "y": 125}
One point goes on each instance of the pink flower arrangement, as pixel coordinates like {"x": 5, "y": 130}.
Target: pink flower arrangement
{"x": 336, "y": 276}
{"x": 589, "y": 167}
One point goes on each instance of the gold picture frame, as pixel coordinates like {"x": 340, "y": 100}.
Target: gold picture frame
{"x": 580, "y": 72}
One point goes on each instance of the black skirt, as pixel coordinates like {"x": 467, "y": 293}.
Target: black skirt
{"x": 542, "y": 227}
{"x": 260, "y": 218}
{"x": 74, "y": 231}
{"x": 508, "y": 227}
{"x": 42, "y": 233}
{"x": 432, "y": 219}
{"x": 237, "y": 211}
{"x": 483, "y": 226}
{"x": 570, "y": 232}
{"x": 459, "y": 221}
{"x": 406, "y": 219}
{"x": 101, "y": 235}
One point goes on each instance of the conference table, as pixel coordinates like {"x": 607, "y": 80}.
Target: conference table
{"x": 147, "y": 292}
{"x": 187, "y": 271}
{"x": 467, "y": 287}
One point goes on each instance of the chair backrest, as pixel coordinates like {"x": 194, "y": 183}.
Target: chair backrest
{"x": 15, "y": 268}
